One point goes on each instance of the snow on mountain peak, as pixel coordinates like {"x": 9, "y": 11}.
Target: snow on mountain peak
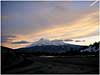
{"x": 43, "y": 41}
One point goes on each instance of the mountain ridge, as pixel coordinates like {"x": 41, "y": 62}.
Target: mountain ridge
{"x": 43, "y": 41}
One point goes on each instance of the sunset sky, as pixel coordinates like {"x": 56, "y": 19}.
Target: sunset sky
{"x": 24, "y": 22}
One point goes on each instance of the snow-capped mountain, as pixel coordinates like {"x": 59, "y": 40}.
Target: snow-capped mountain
{"x": 43, "y": 41}
{"x": 44, "y": 45}
{"x": 92, "y": 48}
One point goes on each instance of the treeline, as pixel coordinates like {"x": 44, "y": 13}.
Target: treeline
{"x": 67, "y": 53}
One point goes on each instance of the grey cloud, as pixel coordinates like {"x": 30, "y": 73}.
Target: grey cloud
{"x": 7, "y": 38}
{"x": 20, "y": 42}
{"x": 68, "y": 40}
{"x": 79, "y": 40}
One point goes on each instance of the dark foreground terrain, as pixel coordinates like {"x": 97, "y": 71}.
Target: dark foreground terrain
{"x": 22, "y": 64}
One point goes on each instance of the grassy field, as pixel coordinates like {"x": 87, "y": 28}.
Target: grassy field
{"x": 53, "y": 65}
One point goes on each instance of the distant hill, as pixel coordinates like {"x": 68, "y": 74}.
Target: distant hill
{"x": 8, "y": 56}
{"x": 6, "y": 50}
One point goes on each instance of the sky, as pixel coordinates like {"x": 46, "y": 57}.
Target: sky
{"x": 24, "y": 22}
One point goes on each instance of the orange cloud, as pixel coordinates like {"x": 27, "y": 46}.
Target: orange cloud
{"x": 82, "y": 27}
